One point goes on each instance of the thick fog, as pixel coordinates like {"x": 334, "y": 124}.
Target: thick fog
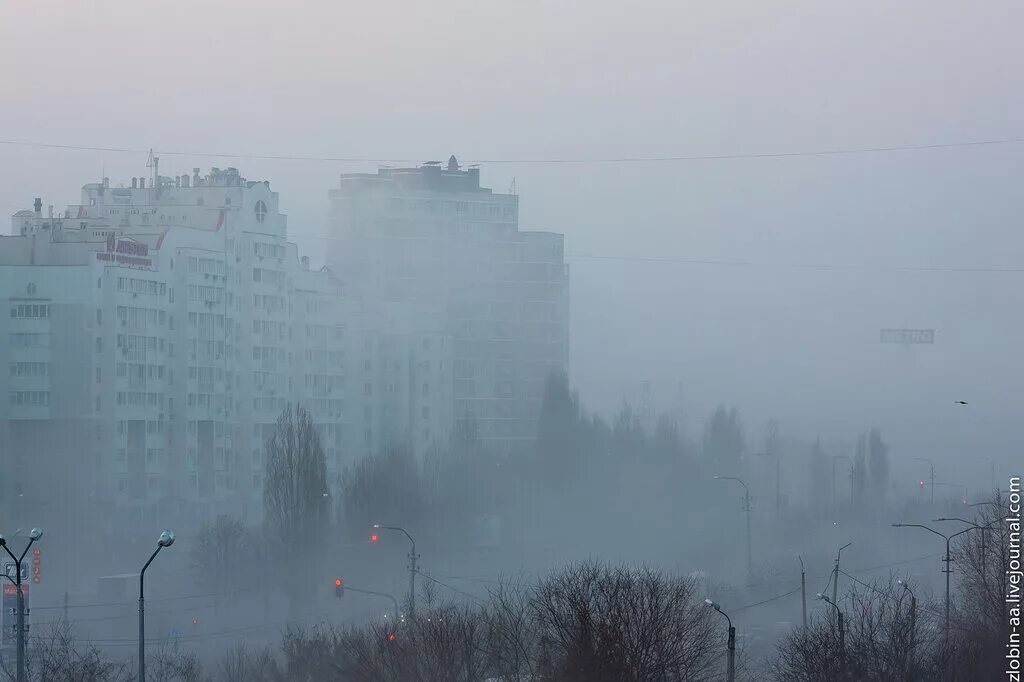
{"x": 749, "y": 193}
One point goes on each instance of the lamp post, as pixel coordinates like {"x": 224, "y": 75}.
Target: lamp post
{"x": 166, "y": 540}
{"x": 984, "y": 571}
{"x": 948, "y": 569}
{"x": 913, "y": 620}
{"x": 746, "y": 508}
{"x": 32, "y": 538}
{"x": 842, "y": 630}
{"x": 731, "y": 644}
{"x": 931, "y": 470}
{"x": 413, "y": 556}
{"x": 835, "y": 572}
{"x": 835, "y": 500}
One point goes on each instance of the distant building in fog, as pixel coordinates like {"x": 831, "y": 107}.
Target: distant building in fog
{"x": 152, "y": 335}
{"x": 431, "y": 237}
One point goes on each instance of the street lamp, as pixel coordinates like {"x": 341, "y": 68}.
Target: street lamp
{"x": 731, "y": 670}
{"x": 947, "y": 560}
{"x": 842, "y": 629}
{"x": 166, "y": 539}
{"x": 32, "y": 538}
{"x": 913, "y": 617}
{"x": 413, "y": 556}
{"x": 835, "y": 572}
{"x": 984, "y": 571}
{"x": 931, "y": 470}
{"x": 746, "y": 508}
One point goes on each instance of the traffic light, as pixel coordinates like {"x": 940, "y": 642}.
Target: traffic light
{"x": 920, "y": 483}
{"x": 391, "y": 637}
{"x": 373, "y": 537}
{"x": 339, "y": 587}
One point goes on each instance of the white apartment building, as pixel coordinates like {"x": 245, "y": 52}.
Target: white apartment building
{"x": 152, "y": 335}
{"x": 432, "y": 238}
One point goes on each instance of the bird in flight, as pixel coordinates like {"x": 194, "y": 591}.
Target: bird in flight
{"x": 960, "y": 402}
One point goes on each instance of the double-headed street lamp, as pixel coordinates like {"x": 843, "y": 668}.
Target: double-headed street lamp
{"x": 746, "y": 508}
{"x": 32, "y": 537}
{"x": 166, "y": 540}
{"x": 984, "y": 572}
{"x": 413, "y": 556}
{"x": 948, "y": 569}
{"x": 731, "y": 643}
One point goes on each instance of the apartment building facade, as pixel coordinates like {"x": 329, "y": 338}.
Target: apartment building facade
{"x": 153, "y": 334}
{"x": 432, "y": 238}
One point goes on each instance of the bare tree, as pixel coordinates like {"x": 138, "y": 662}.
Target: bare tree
{"x": 295, "y": 502}
{"x": 224, "y": 554}
{"x": 602, "y": 623}
{"x": 886, "y": 640}
{"x": 242, "y": 664}
{"x": 56, "y": 656}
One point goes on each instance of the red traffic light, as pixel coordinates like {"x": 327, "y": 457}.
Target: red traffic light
{"x": 391, "y": 637}
{"x": 339, "y": 587}
{"x": 337, "y": 582}
{"x": 373, "y": 538}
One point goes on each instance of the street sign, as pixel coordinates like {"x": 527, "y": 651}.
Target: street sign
{"x": 908, "y": 336}
{"x": 11, "y": 572}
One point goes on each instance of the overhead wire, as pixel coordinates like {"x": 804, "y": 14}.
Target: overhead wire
{"x": 838, "y": 151}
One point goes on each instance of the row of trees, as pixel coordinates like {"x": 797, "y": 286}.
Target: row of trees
{"x": 597, "y": 622}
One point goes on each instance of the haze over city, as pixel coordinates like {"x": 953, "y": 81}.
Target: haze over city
{"x": 661, "y": 212}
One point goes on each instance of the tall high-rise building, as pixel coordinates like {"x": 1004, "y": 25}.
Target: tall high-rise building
{"x": 151, "y": 336}
{"x": 432, "y": 238}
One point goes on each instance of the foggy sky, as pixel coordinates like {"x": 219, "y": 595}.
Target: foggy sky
{"x": 490, "y": 80}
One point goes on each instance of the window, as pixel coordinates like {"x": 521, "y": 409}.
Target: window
{"x": 99, "y": 316}
{"x": 32, "y": 398}
{"x": 30, "y": 310}
{"x": 99, "y": 375}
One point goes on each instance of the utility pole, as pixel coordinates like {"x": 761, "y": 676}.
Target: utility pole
{"x": 33, "y": 536}
{"x": 913, "y": 625}
{"x": 750, "y": 556}
{"x": 413, "y": 556}
{"x": 835, "y": 573}
{"x": 731, "y": 642}
{"x": 947, "y": 560}
{"x": 842, "y": 631}
{"x": 803, "y": 591}
{"x": 931, "y": 474}
{"x": 412, "y": 581}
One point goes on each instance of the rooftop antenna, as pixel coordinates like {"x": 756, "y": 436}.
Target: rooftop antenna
{"x": 512, "y": 187}
{"x": 154, "y": 163}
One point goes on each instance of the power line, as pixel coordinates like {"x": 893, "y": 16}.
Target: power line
{"x": 764, "y": 265}
{"x": 841, "y": 151}
{"x": 765, "y": 601}
{"x": 799, "y": 266}
{"x": 453, "y": 589}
